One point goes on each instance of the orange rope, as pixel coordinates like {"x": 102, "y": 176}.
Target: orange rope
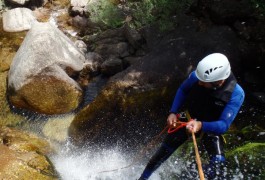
{"x": 174, "y": 129}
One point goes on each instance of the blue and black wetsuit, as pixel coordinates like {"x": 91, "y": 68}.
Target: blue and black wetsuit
{"x": 215, "y": 108}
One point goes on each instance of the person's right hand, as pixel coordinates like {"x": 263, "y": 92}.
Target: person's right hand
{"x": 172, "y": 120}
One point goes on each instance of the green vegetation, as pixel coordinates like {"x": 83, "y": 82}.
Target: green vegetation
{"x": 106, "y": 12}
{"x": 141, "y": 13}
{"x": 159, "y": 11}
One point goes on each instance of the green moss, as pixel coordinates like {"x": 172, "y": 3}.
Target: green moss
{"x": 251, "y": 128}
{"x": 7, "y": 118}
{"x": 9, "y": 44}
{"x": 249, "y": 158}
{"x": 250, "y": 149}
{"x": 106, "y": 12}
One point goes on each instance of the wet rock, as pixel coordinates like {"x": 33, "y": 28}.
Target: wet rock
{"x": 23, "y": 156}
{"x": 111, "y": 66}
{"x": 8, "y": 118}
{"x": 252, "y": 133}
{"x": 248, "y": 159}
{"x": 139, "y": 97}
{"x": 41, "y": 74}
{"x": 90, "y": 70}
{"x": 56, "y": 128}
{"x": 18, "y": 19}
{"x": 6, "y": 58}
{"x": 80, "y": 22}
{"x": 96, "y": 60}
{"x": 120, "y": 49}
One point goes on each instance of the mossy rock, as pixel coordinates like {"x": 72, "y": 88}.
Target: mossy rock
{"x": 253, "y": 132}
{"x": 47, "y": 95}
{"x": 24, "y": 156}
{"x": 119, "y": 112}
{"x": 249, "y": 158}
{"x": 9, "y": 44}
{"x": 7, "y": 117}
{"x": 22, "y": 141}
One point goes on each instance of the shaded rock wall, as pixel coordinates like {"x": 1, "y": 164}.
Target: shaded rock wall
{"x": 134, "y": 104}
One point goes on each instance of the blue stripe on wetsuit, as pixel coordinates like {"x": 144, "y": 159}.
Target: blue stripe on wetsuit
{"x": 216, "y": 126}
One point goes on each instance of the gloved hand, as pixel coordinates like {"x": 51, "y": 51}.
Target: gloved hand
{"x": 194, "y": 126}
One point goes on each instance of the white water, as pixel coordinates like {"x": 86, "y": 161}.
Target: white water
{"x": 89, "y": 165}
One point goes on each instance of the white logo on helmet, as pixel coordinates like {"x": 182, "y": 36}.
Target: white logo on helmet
{"x": 208, "y": 72}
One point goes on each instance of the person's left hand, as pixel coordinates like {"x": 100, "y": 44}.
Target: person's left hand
{"x": 194, "y": 126}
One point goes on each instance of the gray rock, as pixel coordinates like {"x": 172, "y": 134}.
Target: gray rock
{"x": 40, "y": 74}
{"x": 18, "y": 19}
{"x": 111, "y": 66}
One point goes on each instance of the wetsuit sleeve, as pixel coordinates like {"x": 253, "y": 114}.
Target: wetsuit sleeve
{"x": 183, "y": 91}
{"x": 228, "y": 115}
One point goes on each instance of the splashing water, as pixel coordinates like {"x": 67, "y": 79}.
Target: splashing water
{"x": 105, "y": 164}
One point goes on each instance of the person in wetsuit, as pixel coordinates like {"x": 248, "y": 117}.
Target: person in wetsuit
{"x": 214, "y": 98}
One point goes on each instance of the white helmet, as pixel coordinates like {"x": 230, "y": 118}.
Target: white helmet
{"x": 213, "y": 67}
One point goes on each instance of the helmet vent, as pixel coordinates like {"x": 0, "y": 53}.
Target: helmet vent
{"x": 211, "y": 70}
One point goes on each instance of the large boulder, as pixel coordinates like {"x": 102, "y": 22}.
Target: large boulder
{"x": 134, "y": 104}
{"x": 18, "y": 19}
{"x": 24, "y": 156}
{"x": 41, "y": 74}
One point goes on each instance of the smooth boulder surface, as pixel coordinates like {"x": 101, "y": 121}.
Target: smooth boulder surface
{"x": 18, "y": 19}
{"x": 41, "y": 76}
